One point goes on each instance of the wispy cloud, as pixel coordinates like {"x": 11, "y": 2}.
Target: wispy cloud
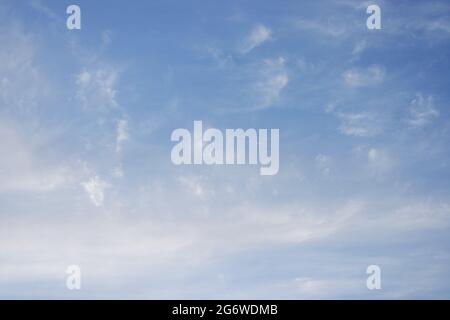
{"x": 219, "y": 56}
{"x": 95, "y": 189}
{"x": 273, "y": 78}
{"x": 422, "y": 111}
{"x": 323, "y": 163}
{"x": 42, "y": 8}
{"x": 22, "y": 84}
{"x": 122, "y": 134}
{"x": 22, "y": 170}
{"x": 257, "y": 37}
{"x": 359, "y": 48}
{"x": 196, "y": 186}
{"x": 370, "y": 76}
{"x": 96, "y": 88}
{"x": 325, "y": 28}
{"x": 358, "y": 124}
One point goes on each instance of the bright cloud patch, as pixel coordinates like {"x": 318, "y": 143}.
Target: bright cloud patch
{"x": 370, "y": 76}
{"x": 358, "y": 124}
{"x": 95, "y": 189}
{"x": 273, "y": 79}
{"x": 96, "y": 89}
{"x": 257, "y": 37}
{"x": 422, "y": 111}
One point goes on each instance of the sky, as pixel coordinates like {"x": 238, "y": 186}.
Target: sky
{"x": 86, "y": 176}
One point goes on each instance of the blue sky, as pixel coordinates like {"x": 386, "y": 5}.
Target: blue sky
{"x": 85, "y": 170}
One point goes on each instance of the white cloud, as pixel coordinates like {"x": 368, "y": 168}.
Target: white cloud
{"x": 95, "y": 189}
{"x": 370, "y": 76}
{"x": 421, "y": 215}
{"x": 21, "y": 170}
{"x": 329, "y": 108}
{"x": 404, "y": 215}
{"x": 321, "y": 27}
{"x": 117, "y": 172}
{"x": 251, "y": 226}
{"x": 196, "y": 186}
{"x": 439, "y": 25}
{"x": 359, "y": 48}
{"x": 155, "y": 238}
{"x": 96, "y": 89}
{"x": 358, "y": 124}
{"x": 219, "y": 56}
{"x": 273, "y": 79}
{"x": 323, "y": 163}
{"x": 325, "y": 285}
{"x": 311, "y": 286}
{"x": 22, "y": 84}
{"x": 122, "y": 134}
{"x": 257, "y": 37}
{"x": 422, "y": 111}
{"x": 48, "y": 247}
{"x": 42, "y": 8}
